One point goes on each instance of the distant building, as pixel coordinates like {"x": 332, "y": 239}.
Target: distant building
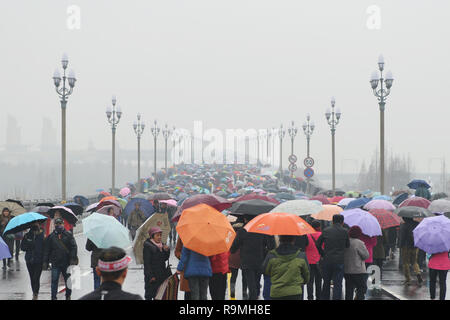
{"x": 13, "y": 136}
{"x": 48, "y": 137}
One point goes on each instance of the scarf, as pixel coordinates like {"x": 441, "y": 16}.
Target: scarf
{"x": 159, "y": 245}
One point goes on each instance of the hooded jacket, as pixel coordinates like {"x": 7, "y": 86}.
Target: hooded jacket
{"x": 335, "y": 239}
{"x": 406, "y": 236}
{"x": 56, "y": 253}
{"x": 194, "y": 264}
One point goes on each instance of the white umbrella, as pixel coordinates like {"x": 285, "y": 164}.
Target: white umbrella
{"x": 439, "y": 205}
{"x": 345, "y": 201}
{"x": 299, "y": 207}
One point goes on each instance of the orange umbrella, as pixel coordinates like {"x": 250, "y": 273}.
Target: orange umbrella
{"x": 329, "y": 210}
{"x": 108, "y": 198}
{"x": 205, "y": 230}
{"x": 279, "y": 223}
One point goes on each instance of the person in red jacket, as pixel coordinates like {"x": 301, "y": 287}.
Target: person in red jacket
{"x": 438, "y": 265}
{"x": 218, "y": 281}
{"x": 313, "y": 256}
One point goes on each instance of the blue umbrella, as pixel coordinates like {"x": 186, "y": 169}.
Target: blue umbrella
{"x": 105, "y": 231}
{"x": 23, "y": 222}
{"x": 400, "y": 198}
{"x": 146, "y": 207}
{"x": 81, "y": 200}
{"x": 234, "y": 195}
{"x": 357, "y": 203}
{"x": 416, "y": 183}
{"x": 4, "y": 250}
{"x": 382, "y": 197}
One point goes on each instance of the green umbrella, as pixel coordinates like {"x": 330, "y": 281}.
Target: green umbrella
{"x": 106, "y": 231}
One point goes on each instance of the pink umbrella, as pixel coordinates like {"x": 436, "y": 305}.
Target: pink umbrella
{"x": 116, "y": 210}
{"x": 124, "y": 191}
{"x": 379, "y": 204}
{"x": 170, "y": 202}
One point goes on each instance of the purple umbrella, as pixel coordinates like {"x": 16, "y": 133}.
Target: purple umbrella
{"x": 379, "y": 204}
{"x": 368, "y": 223}
{"x": 432, "y": 235}
{"x": 4, "y": 250}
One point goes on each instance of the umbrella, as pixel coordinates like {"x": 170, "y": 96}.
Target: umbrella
{"x": 386, "y": 218}
{"x": 379, "y": 204}
{"x": 15, "y": 208}
{"x": 139, "y": 195}
{"x": 439, "y": 195}
{"x": 108, "y": 198}
{"x": 124, "y": 191}
{"x": 440, "y": 205}
{"x": 184, "y": 195}
{"x": 368, "y": 223}
{"x": 322, "y": 198}
{"x": 329, "y": 210}
{"x": 251, "y": 207}
{"x": 105, "y": 231}
{"x": 413, "y": 212}
{"x": 213, "y": 200}
{"x": 104, "y": 210}
{"x": 345, "y": 201}
{"x": 432, "y": 235}
{"x": 205, "y": 230}
{"x": 382, "y": 197}
{"x": 400, "y": 198}
{"x": 92, "y": 207}
{"x": 336, "y": 199}
{"x": 171, "y": 202}
{"x": 47, "y": 204}
{"x": 104, "y": 193}
{"x": 23, "y": 222}
{"x": 233, "y": 195}
{"x": 41, "y": 209}
{"x": 16, "y": 201}
{"x": 415, "y": 202}
{"x": 146, "y": 207}
{"x": 357, "y": 203}
{"x": 299, "y": 207}
{"x": 66, "y": 214}
{"x": 75, "y": 207}
{"x": 279, "y": 223}
{"x": 160, "y": 196}
{"x": 81, "y": 200}
{"x": 284, "y": 196}
{"x": 4, "y": 250}
{"x": 351, "y": 194}
{"x": 415, "y": 184}
{"x": 256, "y": 196}
{"x": 122, "y": 202}
{"x": 102, "y": 204}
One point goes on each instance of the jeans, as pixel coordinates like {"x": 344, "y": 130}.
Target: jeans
{"x": 234, "y": 274}
{"x": 266, "y": 289}
{"x": 335, "y": 272}
{"x": 315, "y": 278}
{"x": 358, "y": 282}
{"x": 253, "y": 277}
{"x": 442, "y": 283}
{"x": 35, "y": 270}
{"x": 218, "y": 286}
{"x": 56, "y": 272}
{"x": 96, "y": 279}
{"x": 199, "y": 288}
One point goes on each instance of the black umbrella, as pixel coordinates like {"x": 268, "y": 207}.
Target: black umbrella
{"x": 413, "y": 212}
{"x": 45, "y": 204}
{"x": 75, "y": 207}
{"x": 251, "y": 207}
{"x": 16, "y": 201}
{"x": 284, "y": 196}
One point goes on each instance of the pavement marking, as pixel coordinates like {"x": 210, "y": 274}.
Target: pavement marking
{"x": 394, "y": 295}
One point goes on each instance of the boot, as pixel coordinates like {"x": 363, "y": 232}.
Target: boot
{"x": 35, "y": 296}
{"x": 419, "y": 278}
{"x": 9, "y": 263}
{"x": 232, "y": 291}
{"x": 68, "y": 298}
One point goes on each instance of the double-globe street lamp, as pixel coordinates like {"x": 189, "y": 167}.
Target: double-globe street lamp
{"x": 139, "y": 127}
{"x": 292, "y": 133}
{"x": 64, "y": 92}
{"x": 166, "y": 132}
{"x": 281, "y": 134}
{"x": 155, "y": 131}
{"x": 308, "y": 129}
{"x": 333, "y": 120}
{"x": 381, "y": 94}
{"x": 113, "y": 115}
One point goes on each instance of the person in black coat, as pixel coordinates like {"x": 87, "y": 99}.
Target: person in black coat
{"x": 155, "y": 256}
{"x": 112, "y": 268}
{"x": 253, "y": 250}
{"x": 61, "y": 251}
{"x": 90, "y": 246}
{"x": 408, "y": 251}
{"x": 33, "y": 245}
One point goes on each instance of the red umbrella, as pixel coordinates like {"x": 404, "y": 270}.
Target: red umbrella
{"x": 252, "y": 196}
{"x": 336, "y": 199}
{"x": 106, "y": 194}
{"x": 108, "y": 203}
{"x": 415, "y": 202}
{"x": 321, "y": 198}
{"x": 212, "y": 200}
{"x": 386, "y": 218}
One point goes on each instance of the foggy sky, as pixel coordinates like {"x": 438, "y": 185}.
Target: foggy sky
{"x": 233, "y": 64}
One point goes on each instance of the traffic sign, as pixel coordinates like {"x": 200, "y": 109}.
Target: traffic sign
{"x": 292, "y": 167}
{"x": 309, "y": 172}
{"x": 308, "y": 162}
{"x": 292, "y": 158}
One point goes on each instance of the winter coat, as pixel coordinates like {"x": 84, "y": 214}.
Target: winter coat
{"x": 219, "y": 263}
{"x": 335, "y": 240}
{"x": 234, "y": 260}
{"x": 354, "y": 257}
{"x": 194, "y": 264}
{"x": 288, "y": 269}
{"x": 96, "y": 252}
{"x": 311, "y": 250}
{"x": 439, "y": 261}
{"x": 254, "y": 248}
{"x": 55, "y": 253}
{"x": 136, "y": 219}
{"x": 33, "y": 245}
{"x": 155, "y": 261}
{"x": 406, "y": 236}
{"x": 110, "y": 290}
{"x": 3, "y": 223}
{"x": 370, "y": 243}
{"x": 184, "y": 283}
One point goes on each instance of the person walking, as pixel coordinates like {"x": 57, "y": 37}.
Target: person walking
{"x": 155, "y": 256}
{"x": 218, "y": 281}
{"x": 234, "y": 263}
{"x": 18, "y": 237}
{"x": 334, "y": 239}
{"x": 112, "y": 269}
{"x": 197, "y": 269}
{"x": 5, "y": 217}
{"x": 379, "y": 253}
{"x": 354, "y": 266}
{"x": 313, "y": 256}
{"x": 33, "y": 245}
{"x": 408, "y": 251}
{"x": 438, "y": 266}
{"x": 253, "y": 250}
{"x": 60, "y": 249}
{"x": 136, "y": 219}
{"x": 288, "y": 269}
{"x": 184, "y": 283}
{"x": 95, "y": 255}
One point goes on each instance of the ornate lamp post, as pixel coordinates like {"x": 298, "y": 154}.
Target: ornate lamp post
{"x": 139, "y": 127}
{"x": 333, "y": 120}
{"x": 308, "y": 128}
{"x": 166, "y": 132}
{"x": 292, "y": 133}
{"x": 281, "y": 134}
{"x": 113, "y": 115}
{"x": 155, "y": 131}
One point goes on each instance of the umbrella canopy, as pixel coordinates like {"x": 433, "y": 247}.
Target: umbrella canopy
{"x": 4, "y": 250}
{"x": 400, "y": 198}
{"x": 15, "y": 208}
{"x": 322, "y": 198}
{"x": 413, "y": 212}
{"x": 139, "y": 195}
{"x": 440, "y": 205}
{"x": 124, "y": 191}
{"x": 335, "y": 199}
{"x": 105, "y": 231}
{"x": 344, "y": 202}
{"x": 23, "y": 222}
{"x": 75, "y": 207}
{"x": 439, "y": 195}
{"x": 66, "y": 214}
{"x": 256, "y": 196}
{"x": 368, "y": 223}
{"x": 47, "y": 204}
{"x": 327, "y": 213}
{"x": 104, "y": 210}
{"x": 251, "y": 207}
{"x": 108, "y": 198}
{"x": 379, "y": 204}
{"x": 416, "y": 202}
{"x": 160, "y": 196}
{"x": 432, "y": 235}
{"x": 299, "y": 207}
{"x": 351, "y": 194}
{"x": 16, "y": 201}
{"x": 284, "y": 196}
{"x": 386, "y": 218}
{"x": 171, "y": 202}
{"x": 382, "y": 197}
{"x": 279, "y": 223}
{"x": 357, "y": 203}
{"x": 81, "y": 200}
{"x": 205, "y": 230}
{"x": 122, "y": 202}
{"x": 92, "y": 207}
{"x": 145, "y": 205}
{"x": 417, "y": 183}
{"x": 41, "y": 209}
{"x": 102, "y": 204}
{"x": 212, "y": 200}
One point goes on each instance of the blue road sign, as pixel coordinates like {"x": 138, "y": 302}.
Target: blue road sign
{"x": 309, "y": 172}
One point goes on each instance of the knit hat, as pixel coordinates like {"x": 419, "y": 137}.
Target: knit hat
{"x": 59, "y": 221}
{"x": 154, "y": 230}
{"x": 355, "y": 232}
